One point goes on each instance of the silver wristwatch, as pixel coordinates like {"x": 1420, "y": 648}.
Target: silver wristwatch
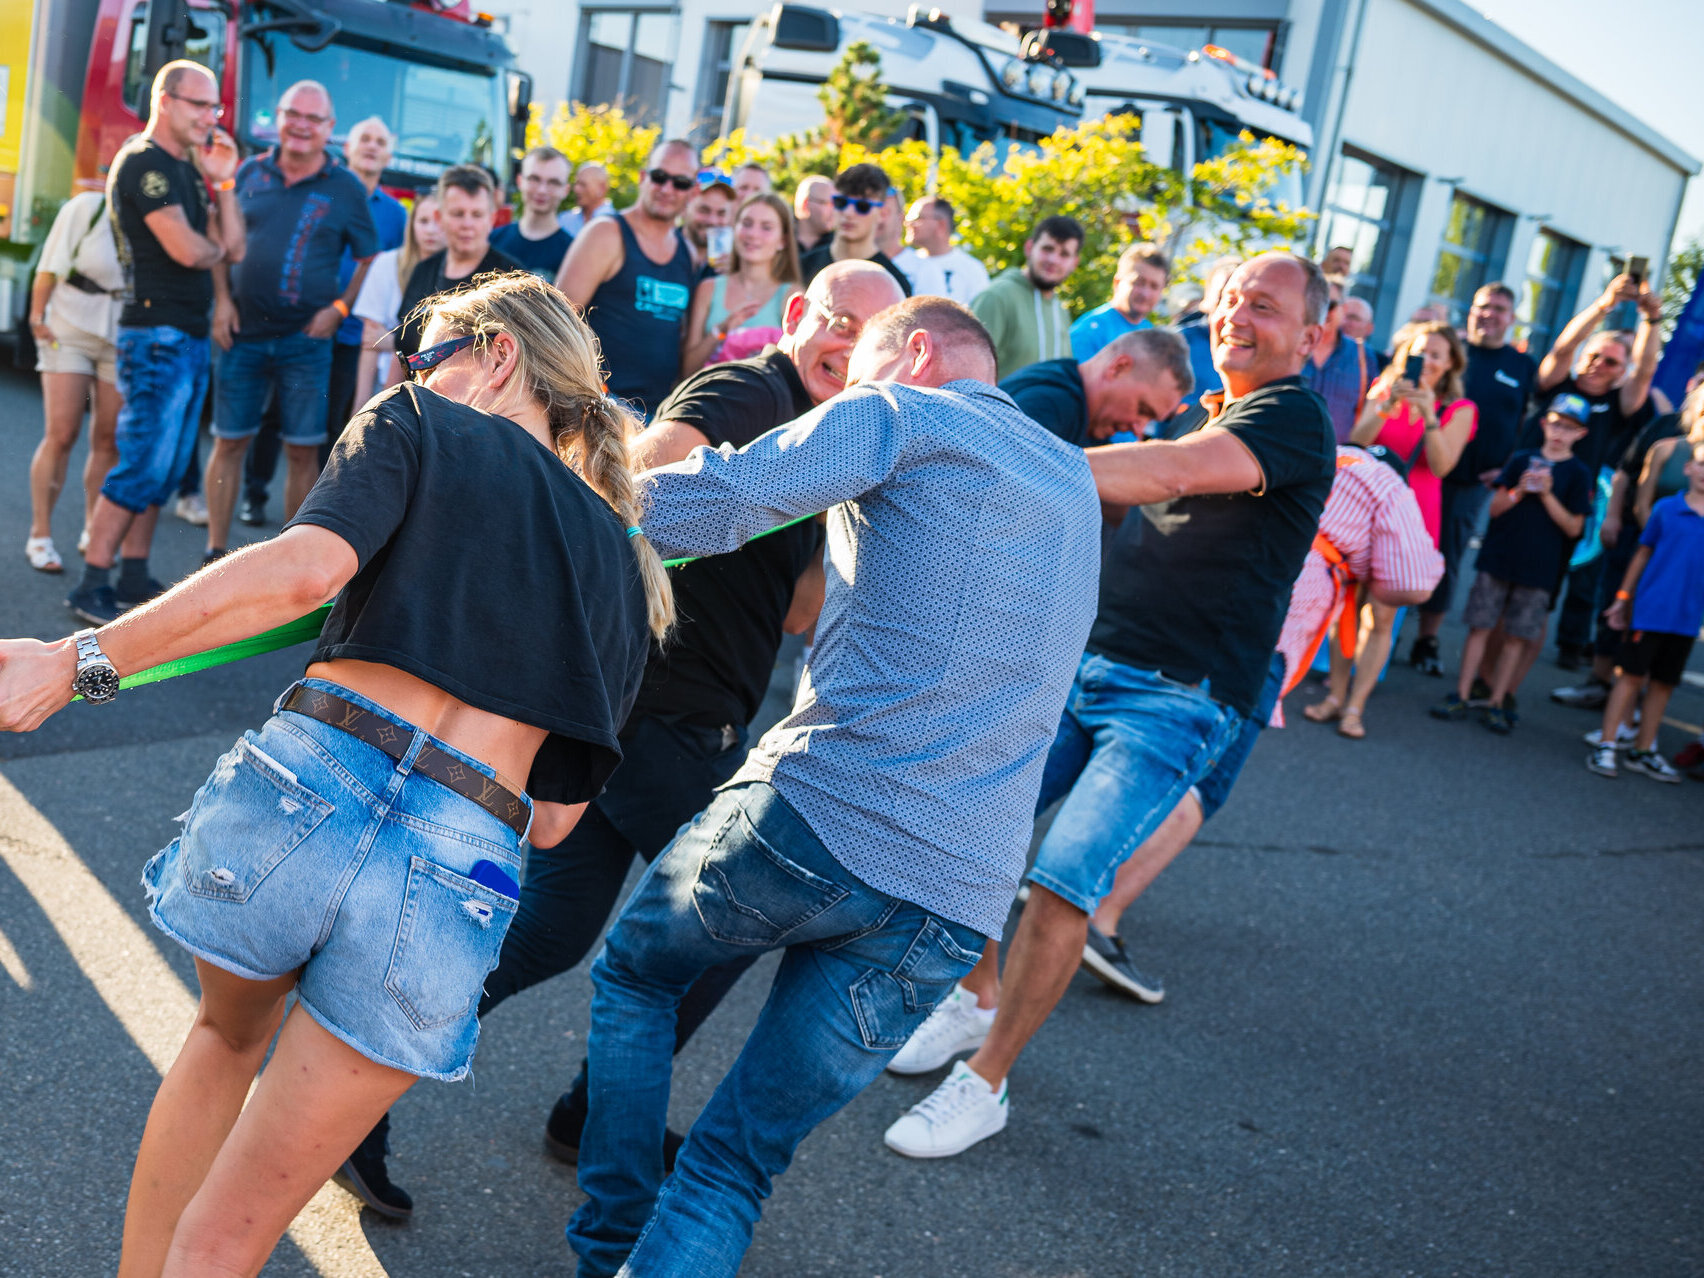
{"x": 96, "y": 680}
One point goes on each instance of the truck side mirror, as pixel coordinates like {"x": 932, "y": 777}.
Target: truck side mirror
{"x": 806, "y": 29}
{"x": 520, "y": 109}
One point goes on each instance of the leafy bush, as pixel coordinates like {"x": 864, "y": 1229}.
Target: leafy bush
{"x": 602, "y": 133}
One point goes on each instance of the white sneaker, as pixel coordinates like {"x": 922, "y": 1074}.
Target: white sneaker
{"x": 1625, "y": 736}
{"x": 192, "y": 509}
{"x": 956, "y": 1025}
{"x": 949, "y": 1120}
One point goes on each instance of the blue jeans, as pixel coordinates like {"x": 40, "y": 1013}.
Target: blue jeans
{"x": 862, "y": 971}
{"x": 297, "y": 368}
{"x": 162, "y": 374}
{"x": 1214, "y": 788}
{"x": 1131, "y": 743}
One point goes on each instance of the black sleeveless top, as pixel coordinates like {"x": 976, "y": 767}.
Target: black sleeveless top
{"x": 638, "y": 314}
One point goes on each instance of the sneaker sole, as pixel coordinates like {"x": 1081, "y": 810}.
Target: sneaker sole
{"x": 351, "y": 1180}
{"x": 948, "y": 1151}
{"x": 934, "y": 1063}
{"x": 1611, "y": 773}
{"x": 1655, "y": 776}
{"x": 1110, "y": 975}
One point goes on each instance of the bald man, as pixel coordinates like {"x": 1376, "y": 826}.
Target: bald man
{"x": 813, "y": 212}
{"x": 591, "y": 198}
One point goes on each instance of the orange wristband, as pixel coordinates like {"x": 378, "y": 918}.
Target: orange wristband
{"x": 342, "y": 306}
{"x": 229, "y": 184}
{"x": 1623, "y": 594}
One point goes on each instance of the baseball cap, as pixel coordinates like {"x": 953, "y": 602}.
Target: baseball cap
{"x": 1574, "y": 407}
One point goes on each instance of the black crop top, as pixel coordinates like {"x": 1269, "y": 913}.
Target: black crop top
{"x": 489, "y": 569}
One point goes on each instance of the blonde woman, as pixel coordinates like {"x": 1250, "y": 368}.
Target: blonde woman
{"x": 1424, "y": 423}
{"x": 363, "y": 849}
{"x": 763, "y": 272}
{"x": 380, "y": 299}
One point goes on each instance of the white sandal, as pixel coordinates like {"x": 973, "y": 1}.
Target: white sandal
{"x": 83, "y": 542}
{"x": 42, "y": 556}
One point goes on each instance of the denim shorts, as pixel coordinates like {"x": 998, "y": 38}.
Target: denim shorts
{"x": 308, "y": 849}
{"x": 294, "y": 370}
{"x": 1214, "y": 788}
{"x": 162, "y": 374}
{"x": 1130, "y": 745}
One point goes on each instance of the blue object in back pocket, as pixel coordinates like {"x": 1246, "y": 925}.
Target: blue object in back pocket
{"x": 490, "y": 874}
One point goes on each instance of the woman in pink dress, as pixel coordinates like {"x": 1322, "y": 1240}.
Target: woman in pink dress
{"x": 1425, "y": 424}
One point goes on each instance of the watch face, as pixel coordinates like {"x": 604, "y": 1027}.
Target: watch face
{"x": 96, "y": 684}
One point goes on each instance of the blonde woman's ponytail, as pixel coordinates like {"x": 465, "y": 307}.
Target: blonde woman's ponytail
{"x": 606, "y": 463}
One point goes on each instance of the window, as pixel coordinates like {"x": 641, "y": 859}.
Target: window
{"x": 1476, "y": 240}
{"x": 1369, "y": 209}
{"x": 205, "y": 44}
{"x": 1250, "y": 43}
{"x": 625, "y": 60}
{"x": 722, "y": 44}
{"x": 1554, "y": 266}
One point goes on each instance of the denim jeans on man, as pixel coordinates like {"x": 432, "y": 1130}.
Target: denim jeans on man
{"x": 862, "y": 971}
{"x": 296, "y": 368}
{"x": 1131, "y": 743}
{"x": 162, "y": 374}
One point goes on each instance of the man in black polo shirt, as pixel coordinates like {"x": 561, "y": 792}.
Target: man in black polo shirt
{"x": 687, "y": 731}
{"x": 1193, "y": 596}
{"x": 1499, "y": 381}
{"x": 275, "y": 315}
{"x": 1130, "y": 384}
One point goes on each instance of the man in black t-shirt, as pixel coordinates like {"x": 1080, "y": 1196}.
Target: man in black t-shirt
{"x": 467, "y": 204}
{"x": 168, "y": 239}
{"x": 687, "y": 731}
{"x": 1499, "y": 381}
{"x": 1130, "y": 384}
{"x": 536, "y": 239}
{"x": 860, "y": 193}
{"x": 1190, "y": 613}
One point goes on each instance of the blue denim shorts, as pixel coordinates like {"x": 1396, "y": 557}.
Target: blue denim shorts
{"x": 295, "y": 369}
{"x": 1214, "y": 788}
{"x": 309, "y": 850}
{"x": 1130, "y": 745}
{"x": 162, "y": 374}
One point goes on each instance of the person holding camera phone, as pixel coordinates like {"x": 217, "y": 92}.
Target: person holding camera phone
{"x": 1417, "y": 412}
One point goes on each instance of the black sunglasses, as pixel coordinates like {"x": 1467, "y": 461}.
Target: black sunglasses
{"x": 662, "y": 177}
{"x": 432, "y": 356}
{"x": 857, "y": 203}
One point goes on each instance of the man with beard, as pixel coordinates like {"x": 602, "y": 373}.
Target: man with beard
{"x": 1021, "y": 309}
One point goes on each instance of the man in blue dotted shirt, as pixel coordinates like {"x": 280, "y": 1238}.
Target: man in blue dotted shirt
{"x": 877, "y": 833}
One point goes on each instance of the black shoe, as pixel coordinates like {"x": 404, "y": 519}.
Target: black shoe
{"x": 127, "y": 599}
{"x": 1105, "y": 956}
{"x": 568, "y": 1120}
{"x": 252, "y": 512}
{"x": 213, "y": 557}
{"x": 1500, "y": 719}
{"x": 96, "y": 605}
{"x": 363, "y": 1174}
{"x": 1423, "y": 656}
{"x": 1452, "y": 709}
{"x": 1481, "y": 691}
{"x": 1570, "y": 656}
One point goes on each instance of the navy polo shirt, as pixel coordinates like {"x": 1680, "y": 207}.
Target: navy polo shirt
{"x": 1051, "y": 392}
{"x": 390, "y": 219}
{"x": 296, "y": 238}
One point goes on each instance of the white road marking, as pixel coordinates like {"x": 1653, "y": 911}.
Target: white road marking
{"x": 154, "y": 1007}
{"x": 13, "y": 964}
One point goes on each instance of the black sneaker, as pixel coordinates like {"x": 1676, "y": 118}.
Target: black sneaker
{"x": 213, "y": 557}
{"x": 128, "y": 599}
{"x": 1105, "y": 956}
{"x": 1451, "y": 709}
{"x": 1589, "y": 695}
{"x": 1424, "y": 657}
{"x": 252, "y": 512}
{"x": 96, "y": 605}
{"x": 363, "y": 1174}
{"x": 567, "y": 1121}
{"x": 1481, "y": 691}
{"x": 1500, "y": 719}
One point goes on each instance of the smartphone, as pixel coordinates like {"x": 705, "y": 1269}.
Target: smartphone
{"x": 1412, "y": 367}
{"x": 1638, "y": 268}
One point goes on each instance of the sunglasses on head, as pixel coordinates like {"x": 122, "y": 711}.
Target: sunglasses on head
{"x": 662, "y": 177}
{"x": 432, "y": 356}
{"x": 856, "y": 203}
{"x": 710, "y": 177}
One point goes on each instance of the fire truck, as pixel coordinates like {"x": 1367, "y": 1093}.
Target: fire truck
{"x": 75, "y": 77}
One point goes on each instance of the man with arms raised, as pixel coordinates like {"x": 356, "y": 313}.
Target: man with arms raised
{"x": 878, "y": 832}
{"x": 1135, "y": 381}
{"x": 1192, "y": 601}
{"x": 631, "y": 276}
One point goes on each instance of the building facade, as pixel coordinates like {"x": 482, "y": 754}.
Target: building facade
{"x": 1447, "y": 152}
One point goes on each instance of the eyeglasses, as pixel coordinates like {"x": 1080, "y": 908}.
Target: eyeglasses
{"x": 840, "y": 325}
{"x": 855, "y": 203}
{"x": 304, "y": 117}
{"x": 662, "y": 177}
{"x": 217, "y": 110}
{"x": 432, "y": 356}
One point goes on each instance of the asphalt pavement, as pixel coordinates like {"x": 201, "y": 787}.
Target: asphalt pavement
{"x": 1432, "y": 1008}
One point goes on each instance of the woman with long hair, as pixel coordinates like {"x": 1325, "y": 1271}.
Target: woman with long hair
{"x": 479, "y": 531}
{"x": 1663, "y": 473}
{"x": 380, "y": 299}
{"x": 1424, "y": 425}
{"x": 763, "y": 272}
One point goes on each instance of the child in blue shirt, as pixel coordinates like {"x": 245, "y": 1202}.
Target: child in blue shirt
{"x": 1663, "y": 595}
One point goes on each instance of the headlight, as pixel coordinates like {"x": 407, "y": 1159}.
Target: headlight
{"x": 1270, "y": 91}
{"x": 1061, "y": 86}
{"x": 1012, "y": 74}
{"x": 1078, "y": 93}
{"x": 1039, "y": 78}
{"x": 1254, "y": 85}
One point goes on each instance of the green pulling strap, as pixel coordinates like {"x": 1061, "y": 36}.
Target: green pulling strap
{"x": 302, "y": 630}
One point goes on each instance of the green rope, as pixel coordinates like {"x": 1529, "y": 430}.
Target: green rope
{"x": 302, "y": 630}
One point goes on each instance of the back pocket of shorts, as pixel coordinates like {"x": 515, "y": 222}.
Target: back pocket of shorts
{"x": 446, "y": 944}
{"x": 248, "y": 816}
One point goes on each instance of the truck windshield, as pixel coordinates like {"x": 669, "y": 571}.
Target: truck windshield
{"x": 440, "y": 116}
{"x": 1217, "y": 137}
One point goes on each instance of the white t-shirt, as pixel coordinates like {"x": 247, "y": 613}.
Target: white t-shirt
{"x": 923, "y": 272}
{"x": 381, "y": 292}
{"x": 963, "y": 277}
{"x": 77, "y": 242}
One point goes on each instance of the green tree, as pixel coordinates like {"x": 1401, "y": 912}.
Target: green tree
{"x": 1680, "y": 279}
{"x": 601, "y": 133}
{"x": 854, "y": 100}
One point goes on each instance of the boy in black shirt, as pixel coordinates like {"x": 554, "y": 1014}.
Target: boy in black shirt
{"x": 1537, "y": 512}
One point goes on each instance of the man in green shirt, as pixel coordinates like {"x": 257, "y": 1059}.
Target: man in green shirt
{"x": 1021, "y": 309}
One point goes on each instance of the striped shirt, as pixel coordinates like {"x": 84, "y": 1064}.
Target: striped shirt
{"x": 1373, "y": 520}
{"x": 963, "y": 562}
